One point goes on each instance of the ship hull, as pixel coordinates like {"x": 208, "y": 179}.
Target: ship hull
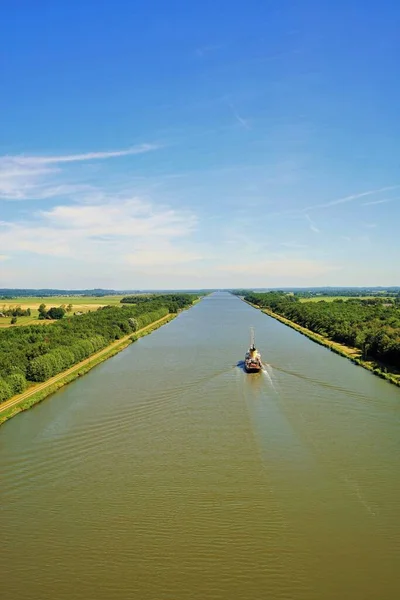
{"x": 252, "y": 368}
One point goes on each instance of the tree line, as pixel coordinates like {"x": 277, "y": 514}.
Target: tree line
{"x": 371, "y": 326}
{"x": 358, "y": 292}
{"x": 36, "y": 353}
{"x": 174, "y": 302}
{"x": 7, "y": 293}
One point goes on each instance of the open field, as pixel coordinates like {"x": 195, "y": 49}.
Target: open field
{"x": 79, "y": 304}
{"x": 35, "y": 301}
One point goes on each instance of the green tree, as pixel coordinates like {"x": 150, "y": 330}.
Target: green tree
{"x": 133, "y": 323}
{"x": 43, "y": 367}
{"x": 16, "y": 382}
{"x": 5, "y": 390}
{"x": 42, "y": 311}
{"x": 55, "y": 312}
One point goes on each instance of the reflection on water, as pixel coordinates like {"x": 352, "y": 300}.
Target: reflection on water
{"x": 170, "y": 473}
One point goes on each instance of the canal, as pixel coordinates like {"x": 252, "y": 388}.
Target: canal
{"x": 167, "y": 473}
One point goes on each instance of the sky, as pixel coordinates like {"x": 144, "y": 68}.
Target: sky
{"x": 162, "y": 145}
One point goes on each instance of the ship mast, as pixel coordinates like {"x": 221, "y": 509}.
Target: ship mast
{"x": 252, "y": 344}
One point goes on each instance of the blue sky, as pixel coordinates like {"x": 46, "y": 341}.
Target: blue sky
{"x": 215, "y": 144}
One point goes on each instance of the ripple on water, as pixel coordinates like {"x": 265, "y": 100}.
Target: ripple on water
{"x": 191, "y": 479}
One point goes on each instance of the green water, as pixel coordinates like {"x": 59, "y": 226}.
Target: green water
{"x": 167, "y": 473}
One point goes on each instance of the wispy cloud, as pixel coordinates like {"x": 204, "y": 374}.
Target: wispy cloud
{"x": 243, "y": 122}
{"x": 40, "y": 177}
{"x": 3, "y": 257}
{"x": 350, "y": 198}
{"x": 356, "y": 240}
{"x": 380, "y": 201}
{"x": 312, "y": 225}
{"x": 66, "y": 158}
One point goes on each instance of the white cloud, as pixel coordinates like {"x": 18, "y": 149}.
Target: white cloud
{"x": 379, "y": 201}
{"x": 4, "y": 257}
{"x": 131, "y": 217}
{"x": 102, "y": 233}
{"x": 57, "y": 159}
{"x": 39, "y": 177}
{"x": 313, "y": 226}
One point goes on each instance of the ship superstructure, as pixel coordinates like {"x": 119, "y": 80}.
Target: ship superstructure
{"x": 252, "y": 359}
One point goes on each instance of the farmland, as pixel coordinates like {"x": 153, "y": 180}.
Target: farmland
{"x": 82, "y": 304}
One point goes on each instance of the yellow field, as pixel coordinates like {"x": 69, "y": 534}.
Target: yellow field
{"x": 79, "y": 304}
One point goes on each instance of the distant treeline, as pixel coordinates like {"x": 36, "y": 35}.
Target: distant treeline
{"x": 174, "y": 302}
{"x": 372, "y": 325}
{"x": 348, "y": 292}
{"x": 36, "y": 353}
{"x": 10, "y": 293}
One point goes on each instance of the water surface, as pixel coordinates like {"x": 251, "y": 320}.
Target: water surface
{"x": 167, "y": 473}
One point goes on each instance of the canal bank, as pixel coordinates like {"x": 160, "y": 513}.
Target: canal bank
{"x": 353, "y": 354}
{"x": 38, "y": 392}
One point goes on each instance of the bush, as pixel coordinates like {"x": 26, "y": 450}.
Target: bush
{"x": 16, "y": 382}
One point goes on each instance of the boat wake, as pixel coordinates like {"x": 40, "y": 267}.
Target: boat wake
{"x": 266, "y": 372}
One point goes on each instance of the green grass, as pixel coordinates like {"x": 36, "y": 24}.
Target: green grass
{"x": 33, "y": 319}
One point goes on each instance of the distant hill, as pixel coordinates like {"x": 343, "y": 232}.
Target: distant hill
{"x": 16, "y": 292}
{"x": 97, "y": 292}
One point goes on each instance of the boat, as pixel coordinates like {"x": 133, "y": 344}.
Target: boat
{"x": 252, "y": 359}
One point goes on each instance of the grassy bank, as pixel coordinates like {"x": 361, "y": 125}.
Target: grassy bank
{"x": 353, "y": 354}
{"x": 38, "y": 392}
